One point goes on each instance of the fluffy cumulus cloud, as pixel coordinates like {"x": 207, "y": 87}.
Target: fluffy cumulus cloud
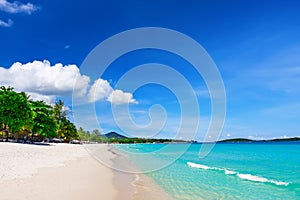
{"x": 101, "y": 89}
{"x": 43, "y": 81}
{"x": 119, "y": 97}
{"x": 17, "y": 7}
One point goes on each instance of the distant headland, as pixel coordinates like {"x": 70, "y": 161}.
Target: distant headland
{"x": 244, "y": 140}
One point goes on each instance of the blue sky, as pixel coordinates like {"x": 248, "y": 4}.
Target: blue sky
{"x": 255, "y": 45}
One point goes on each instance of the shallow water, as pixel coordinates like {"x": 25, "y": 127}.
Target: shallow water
{"x": 229, "y": 171}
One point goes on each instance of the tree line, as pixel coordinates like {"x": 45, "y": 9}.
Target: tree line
{"x": 96, "y": 136}
{"x": 24, "y": 119}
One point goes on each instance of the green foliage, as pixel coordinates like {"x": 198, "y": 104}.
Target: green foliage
{"x": 59, "y": 113}
{"x": 65, "y": 128}
{"x": 15, "y": 109}
{"x": 95, "y": 136}
{"x": 83, "y": 135}
{"x": 19, "y": 114}
{"x": 43, "y": 122}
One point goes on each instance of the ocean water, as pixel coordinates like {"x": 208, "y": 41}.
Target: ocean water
{"x": 229, "y": 171}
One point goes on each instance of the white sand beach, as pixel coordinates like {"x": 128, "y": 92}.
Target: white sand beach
{"x": 60, "y": 171}
{"x": 67, "y": 172}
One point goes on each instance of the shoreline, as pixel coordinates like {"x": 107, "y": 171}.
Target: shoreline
{"x": 144, "y": 187}
{"x": 70, "y": 172}
{"x": 122, "y": 182}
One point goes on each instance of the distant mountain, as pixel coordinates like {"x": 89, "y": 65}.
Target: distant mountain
{"x": 237, "y": 140}
{"x": 114, "y": 135}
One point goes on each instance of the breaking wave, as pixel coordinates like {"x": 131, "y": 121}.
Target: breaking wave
{"x": 248, "y": 177}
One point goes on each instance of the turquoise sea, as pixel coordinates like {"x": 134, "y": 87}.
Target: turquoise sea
{"x": 229, "y": 171}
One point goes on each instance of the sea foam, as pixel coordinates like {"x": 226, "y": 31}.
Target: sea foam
{"x": 248, "y": 177}
{"x": 198, "y": 166}
{"x": 260, "y": 179}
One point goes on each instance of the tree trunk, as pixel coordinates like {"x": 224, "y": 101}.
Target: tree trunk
{"x": 32, "y": 137}
{"x": 6, "y": 132}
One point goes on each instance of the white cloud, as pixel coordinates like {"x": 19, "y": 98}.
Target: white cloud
{"x": 119, "y": 97}
{"x": 17, "y": 7}
{"x": 49, "y": 99}
{"x": 99, "y": 90}
{"x": 9, "y": 23}
{"x": 45, "y": 82}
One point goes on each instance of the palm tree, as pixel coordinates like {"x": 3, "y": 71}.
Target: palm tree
{"x": 65, "y": 128}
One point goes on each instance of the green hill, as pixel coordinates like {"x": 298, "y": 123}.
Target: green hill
{"x": 114, "y": 135}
